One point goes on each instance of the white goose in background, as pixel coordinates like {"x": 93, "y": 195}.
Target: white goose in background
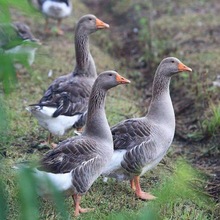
{"x": 54, "y": 9}
{"x": 141, "y": 143}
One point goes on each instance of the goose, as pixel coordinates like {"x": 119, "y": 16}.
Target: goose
{"x": 141, "y": 143}
{"x": 77, "y": 162}
{"x": 17, "y": 39}
{"x": 64, "y": 104}
{"x": 55, "y": 9}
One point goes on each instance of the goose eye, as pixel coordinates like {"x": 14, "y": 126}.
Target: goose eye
{"x": 90, "y": 19}
{"x": 172, "y": 61}
{"x": 110, "y": 74}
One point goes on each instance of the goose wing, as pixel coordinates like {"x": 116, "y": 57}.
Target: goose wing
{"x": 72, "y": 154}
{"x": 140, "y": 156}
{"x": 129, "y": 133}
{"x": 69, "y": 95}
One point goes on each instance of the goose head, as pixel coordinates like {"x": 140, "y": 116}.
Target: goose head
{"x": 90, "y": 23}
{"x": 25, "y": 33}
{"x": 171, "y": 65}
{"x": 110, "y": 79}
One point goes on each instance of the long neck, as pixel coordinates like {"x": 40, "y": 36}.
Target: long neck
{"x": 96, "y": 122}
{"x": 161, "y": 107}
{"x": 85, "y": 64}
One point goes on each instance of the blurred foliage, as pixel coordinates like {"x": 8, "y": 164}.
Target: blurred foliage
{"x": 211, "y": 125}
{"x": 29, "y": 187}
{"x": 27, "y": 202}
{"x": 27, "y": 195}
{"x": 180, "y": 196}
{"x": 3, "y": 201}
{"x": 4, "y": 123}
{"x": 7, "y": 72}
{"x": 7, "y": 69}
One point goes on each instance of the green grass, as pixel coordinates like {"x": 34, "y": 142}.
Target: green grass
{"x": 212, "y": 124}
{"x": 179, "y": 196}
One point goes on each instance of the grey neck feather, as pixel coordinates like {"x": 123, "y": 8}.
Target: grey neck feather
{"x": 85, "y": 64}
{"x": 161, "y": 107}
{"x": 97, "y": 124}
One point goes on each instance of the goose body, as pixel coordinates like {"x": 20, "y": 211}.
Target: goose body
{"x": 64, "y": 104}
{"x": 54, "y": 9}
{"x": 17, "y": 39}
{"x": 141, "y": 143}
{"x": 77, "y": 162}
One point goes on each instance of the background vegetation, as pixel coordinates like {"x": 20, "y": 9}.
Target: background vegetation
{"x": 141, "y": 34}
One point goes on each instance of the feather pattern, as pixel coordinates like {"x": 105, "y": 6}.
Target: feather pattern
{"x": 78, "y": 156}
{"x": 69, "y": 96}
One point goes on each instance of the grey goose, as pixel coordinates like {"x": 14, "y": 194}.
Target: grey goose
{"x": 77, "y": 162}
{"x": 65, "y": 102}
{"x": 141, "y": 143}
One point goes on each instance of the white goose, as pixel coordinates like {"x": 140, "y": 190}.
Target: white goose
{"x": 55, "y": 9}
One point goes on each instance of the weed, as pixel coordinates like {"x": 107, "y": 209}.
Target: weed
{"x": 211, "y": 124}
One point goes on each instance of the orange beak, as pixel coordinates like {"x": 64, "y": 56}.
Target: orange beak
{"x": 182, "y": 67}
{"x": 100, "y": 24}
{"x": 120, "y": 79}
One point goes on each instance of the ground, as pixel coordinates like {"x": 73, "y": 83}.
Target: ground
{"x": 140, "y": 35}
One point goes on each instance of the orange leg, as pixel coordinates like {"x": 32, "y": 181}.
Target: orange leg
{"x": 46, "y": 28}
{"x": 48, "y": 142}
{"x": 132, "y": 184}
{"x": 139, "y": 193}
{"x": 59, "y": 30}
{"x": 49, "y": 138}
{"x": 53, "y": 145}
{"x": 78, "y": 209}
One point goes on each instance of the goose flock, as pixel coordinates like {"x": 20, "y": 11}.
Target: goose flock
{"x": 76, "y": 100}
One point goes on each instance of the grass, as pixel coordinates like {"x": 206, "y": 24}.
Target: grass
{"x": 178, "y": 192}
{"x": 173, "y": 184}
{"x": 212, "y": 124}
